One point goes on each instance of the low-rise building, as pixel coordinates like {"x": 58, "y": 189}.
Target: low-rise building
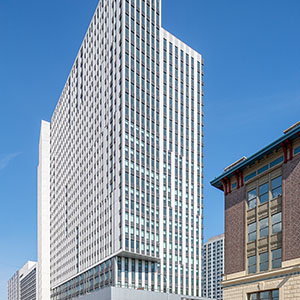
{"x": 23, "y": 284}
{"x": 262, "y": 222}
{"x": 13, "y": 287}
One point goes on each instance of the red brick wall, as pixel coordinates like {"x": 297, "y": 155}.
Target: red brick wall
{"x": 235, "y": 231}
{"x": 291, "y": 209}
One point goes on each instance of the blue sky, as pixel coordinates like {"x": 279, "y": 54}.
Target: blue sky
{"x": 252, "y": 92}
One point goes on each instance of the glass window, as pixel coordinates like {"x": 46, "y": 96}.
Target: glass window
{"x": 252, "y": 232}
{"x": 252, "y": 265}
{"x": 264, "y": 261}
{"x": 276, "y": 258}
{"x": 263, "y": 169}
{"x": 275, "y": 295}
{"x": 133, "y": 270}
{"x": 276, "y": 187}
{"x": 277, "y": 223}
{"x": 119, "y": 267}
{"x": 253, "y": 297}
{"x": 264, "y": 296}
{"x": 276, "y": 162}
{"x": 252, "y": 199}
{"x": 140, "y": 269}
{"x": 250, "y": 176}
{"x": 264, "y": 193}
{"x": 264, "y": 227}
{"x": 297, "y": 150}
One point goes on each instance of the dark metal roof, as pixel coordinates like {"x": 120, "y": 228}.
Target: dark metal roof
{"x": 291, "y": 135}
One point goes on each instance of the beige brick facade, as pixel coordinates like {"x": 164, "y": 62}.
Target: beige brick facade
{"x": 287, "y": 280}
{"x": 289, "y": 288}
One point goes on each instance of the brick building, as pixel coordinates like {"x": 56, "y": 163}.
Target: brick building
{"x": 262, "y": 222}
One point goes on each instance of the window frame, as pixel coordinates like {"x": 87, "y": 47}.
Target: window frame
{"x": 280, "y": 222}
{"x": 276, "y": 187}
{"x": 264, "y": 262}
{"x": 271, "y": 295}
{"x": 251, "y": 200}
{"x": 264, "y": 228}
{"x": 251, "y": 265}
{"x": 252, "y": 232}
{"x": 262, "y": 194}
{"x": 276, "y": 259}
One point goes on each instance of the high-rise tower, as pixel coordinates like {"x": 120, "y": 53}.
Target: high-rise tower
{"x": 126, "y": 159}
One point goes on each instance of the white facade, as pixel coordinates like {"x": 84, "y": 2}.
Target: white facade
{"x": 13, "y": 287}
{"x": 213, "y": 267}
{"x": 181, "y": 165}
{"x": 126, "y": 159}
{"x": 23, "y": 284}
{"x": 28, "y": 281}
{"x": 43, "y": 210}
{"x": 117, "y": 293}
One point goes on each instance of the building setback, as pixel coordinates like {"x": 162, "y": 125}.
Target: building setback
{"x": 262, "y": 224}
{"x": 23, "y": 284}
{"x": 213, "y": 267}
{"x": 125, "y": 161}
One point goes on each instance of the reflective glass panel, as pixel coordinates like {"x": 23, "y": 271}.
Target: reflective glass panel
{"x": 277, "y": 223}
{"x": 253, "y": 297}
{"x": 264, "y": 193}
{"x": 275, "y": 295}
{"x": 264, "y": 261}
{"x": 264, "y": 227}
{"x": 252, "y": 265}
{"x": 276, "y": 187}
{"x": 276, "y": 258}
{"x": 264, "y": 296}
{"x": 252, "y": 199}
{"x": 252, "y": 232}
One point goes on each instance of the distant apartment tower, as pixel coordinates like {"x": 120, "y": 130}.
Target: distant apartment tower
{"x": 262, "y": 224}
{"x": 213, "y": 267}
{"x": 126, "y": 160}
{"x": 23, "y": 284}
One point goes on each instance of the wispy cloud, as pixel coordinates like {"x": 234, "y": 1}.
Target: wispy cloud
{"x": 5, "y": 160}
